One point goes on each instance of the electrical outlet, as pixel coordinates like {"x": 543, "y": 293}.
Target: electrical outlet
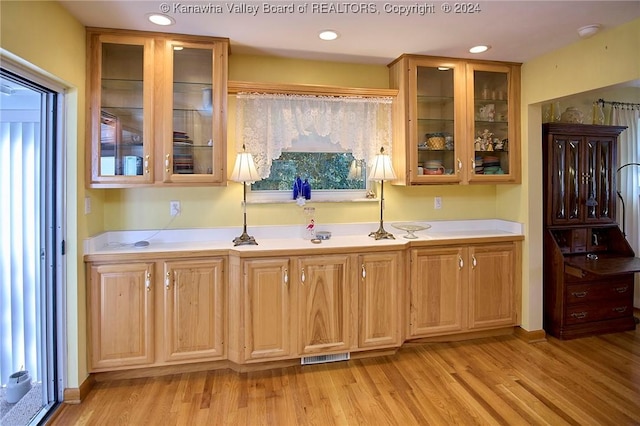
{"x": 437, "y": 203}
{"x": 174, "y": 208}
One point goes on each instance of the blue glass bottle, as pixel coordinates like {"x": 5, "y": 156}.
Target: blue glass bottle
{"x": 306, "y": 189}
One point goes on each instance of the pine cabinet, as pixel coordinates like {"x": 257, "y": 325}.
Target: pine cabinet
{"x": 463, "y": 288}
{"x": 157, "y": 109}
{"x": 295, "y": 306}
{"x": 380, "y": 288}
{"x": 324, "y": 303}
{"x": 155, "y": 313}
{"x": 193, "y": 309}
{"x": 267, "y": 293}
{"x": 437, "y": 299}
{"x": 493, "y": 286}
{"x": 456, "y": 121}
{"x": 121, "y": 315}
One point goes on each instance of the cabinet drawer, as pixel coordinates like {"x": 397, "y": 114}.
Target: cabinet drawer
{"x": 590, "y": 292}
{"x": 578, "y": 314}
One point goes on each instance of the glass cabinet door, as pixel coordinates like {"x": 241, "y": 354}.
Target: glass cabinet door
{"x": 436, "y": 128}
{"x": 122, "y": 131}
{"x": 492, "y": 136}
{"x": 193, "y": 145}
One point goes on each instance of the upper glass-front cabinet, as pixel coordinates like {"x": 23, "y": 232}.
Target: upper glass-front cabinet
{"x": 120, "y": 102}
{"x": 492, "y": 123}
{"x": 454, "y": 121}
{"x": 437, "y": 129}
{"x": 193, "y": 146}
{"x": 157, "y": 109}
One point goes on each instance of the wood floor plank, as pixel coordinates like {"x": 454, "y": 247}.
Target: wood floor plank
{"x": 488, "y": 381}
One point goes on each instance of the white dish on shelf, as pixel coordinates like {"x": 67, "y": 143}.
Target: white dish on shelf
{"x": 411, "y": 229}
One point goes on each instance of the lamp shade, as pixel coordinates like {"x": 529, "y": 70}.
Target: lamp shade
{"x": 381, "y": 169}
{"x": 245, "y": 168}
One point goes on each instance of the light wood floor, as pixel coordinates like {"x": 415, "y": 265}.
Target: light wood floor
{"x": 499, "y": 380}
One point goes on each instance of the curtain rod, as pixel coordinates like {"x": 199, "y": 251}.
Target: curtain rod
{"x": 615, "y": 103}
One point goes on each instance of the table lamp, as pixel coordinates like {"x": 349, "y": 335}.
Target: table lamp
{"x": 382, "y": 170}
{"x": 244, "y": 171}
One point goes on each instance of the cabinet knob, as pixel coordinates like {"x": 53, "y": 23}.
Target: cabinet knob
{"x": 622, "y": 289}
{"x": 364, "y": 272}
{"x": 474, "y": 262}
{"x": 285, "y": 276}
{"x": 620, "y": 309}
{"x": 460, "y": 262}
{"x": 147, "y": 281}
{"x": 459, "y": 165}
{"x": 579, "y": 294}
{"x": 167, "y": 163}
{"x": 579, "y": 315}
{"x": 302, "y": 277}
{"x": 146, "y": 163}
{"x": 167, "y": 280}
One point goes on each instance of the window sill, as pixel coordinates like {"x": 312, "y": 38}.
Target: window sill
{"x": 313, "y": 201}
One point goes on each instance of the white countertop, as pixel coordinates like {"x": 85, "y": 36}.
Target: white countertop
{"x": 289, "y": 237}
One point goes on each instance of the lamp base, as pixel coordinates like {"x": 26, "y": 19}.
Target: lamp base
{"x": 381, "y": 234}
{"x": 244, "y": 239}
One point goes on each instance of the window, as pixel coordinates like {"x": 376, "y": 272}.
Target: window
{"x": 326, "y": 140}
{"x": 333, "y": 174}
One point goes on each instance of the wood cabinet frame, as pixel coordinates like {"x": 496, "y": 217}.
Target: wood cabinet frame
{"x": 157, "y": 108}
{"x": 403, "y": 72}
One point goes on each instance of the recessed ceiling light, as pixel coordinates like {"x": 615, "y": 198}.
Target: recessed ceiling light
{"x": 588, "y": 30}
{"x": 160, "y": 19}
{"x": 328, "y": 35}
{"x": 479, "y": 49}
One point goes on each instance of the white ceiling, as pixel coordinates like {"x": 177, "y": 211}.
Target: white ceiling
{"x": 518, "y": 31}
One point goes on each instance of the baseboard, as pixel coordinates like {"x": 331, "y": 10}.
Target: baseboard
{"x": 459, "y": 337}
{"x": 534, "y": 336}
{"x": 76, "y": 395}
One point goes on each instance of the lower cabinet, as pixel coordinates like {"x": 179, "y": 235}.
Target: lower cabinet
{"x": 193, "y": 320}
{"x": 380, "y": 287}
{"x": 291, "y": 307}
{"x": 324, "y": 303}
{"x": 155, "y": 313}
{"x": 266, "y": 307}
{"x": 121, "y": 324}
{"x": 255, "y": 308}
{"x": 463, "y": 288}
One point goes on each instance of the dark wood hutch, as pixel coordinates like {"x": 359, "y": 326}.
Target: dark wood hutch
{"x": 588, "y": 264}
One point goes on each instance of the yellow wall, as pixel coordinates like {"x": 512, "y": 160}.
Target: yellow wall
{"x": 148, "y": 208}
{"x": 609, "y": 58}
{"x": 49, "y": 41}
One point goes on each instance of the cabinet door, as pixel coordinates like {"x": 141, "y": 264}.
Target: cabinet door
{"x": 492, "y": 116}
{"x": 436, "y": 108}
{"x": 565, "y": 176}
{"x": 121, "y": 315}
{"x": 267, "y": 295}
{"x": 193, "y": 309}
{"x": 193, "y": 129}
{"x": 598, "y": 180}
{"x": 436, "y": 296}
{"x": 324, "y": 303}
{"x": 491, "y": 286}
{"x": 121, "y": 83}
{"x": 379, "y": 289}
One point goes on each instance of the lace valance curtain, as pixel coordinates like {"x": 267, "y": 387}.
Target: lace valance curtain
{"x": 267, "y": 124}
